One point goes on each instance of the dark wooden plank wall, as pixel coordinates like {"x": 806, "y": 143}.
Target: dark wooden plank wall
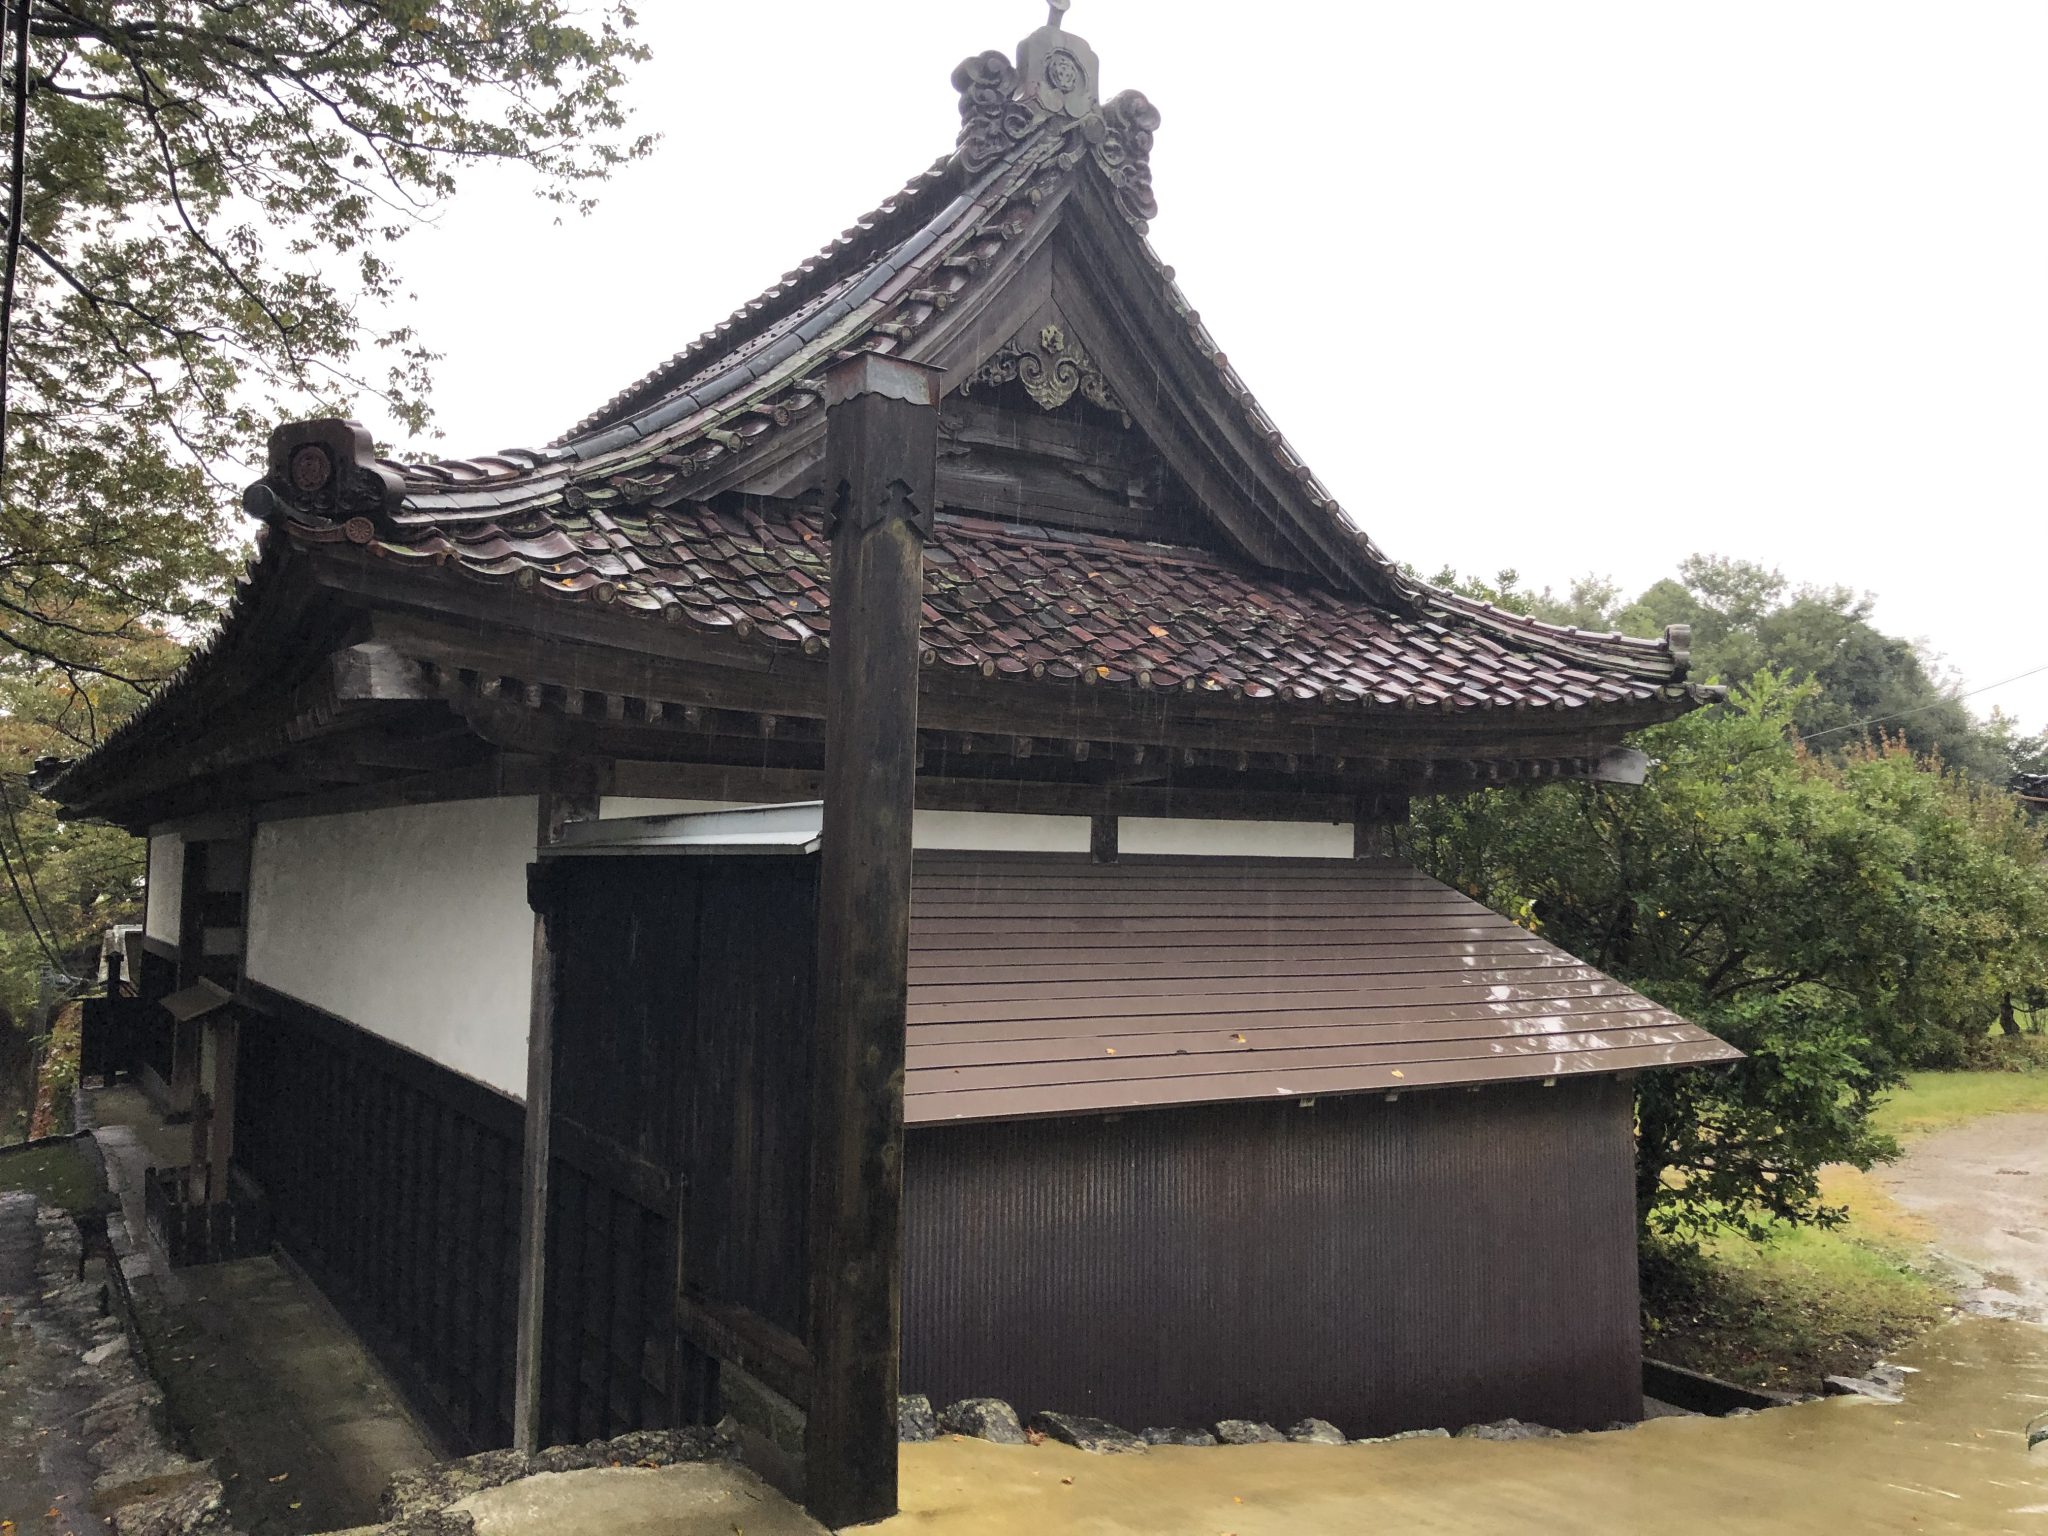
{"x": 747, "y": 1092}
{"x": 1450, "y": 1258}
{"x": 609, "y": 1345}
{"x": 681, "y": 1094}
{"x": 395, "y": 1182}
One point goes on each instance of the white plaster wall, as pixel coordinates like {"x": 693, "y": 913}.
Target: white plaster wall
{"x": 410, "y": 922}
{"x": 166, "y": 886}
{"x": 1235, "y": 839}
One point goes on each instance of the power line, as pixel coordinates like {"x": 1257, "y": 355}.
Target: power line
{"x": 1949, "y": 698}
{"x": 22, "y": 901}
{"x": 28, "y": 867}
{"x": 16, "y": 192}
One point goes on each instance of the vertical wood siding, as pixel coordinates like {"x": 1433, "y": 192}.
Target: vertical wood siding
{"x": 1447, "y": 1259}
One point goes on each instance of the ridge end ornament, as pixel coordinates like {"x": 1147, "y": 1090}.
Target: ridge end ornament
{"x": 325, "y": 468}
{"x": 1123, "y": 151}
{"x": 1055, "y": 77}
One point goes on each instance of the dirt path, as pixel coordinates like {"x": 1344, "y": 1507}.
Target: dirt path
{"x": 1983, "y": 1188}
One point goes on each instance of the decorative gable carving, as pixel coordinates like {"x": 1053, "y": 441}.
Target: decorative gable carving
{"x": 1053, "y": 368}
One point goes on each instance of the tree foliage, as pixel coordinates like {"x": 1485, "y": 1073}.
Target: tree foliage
{"x": 1835, "y": 917}
{"x": 213, "y": 192}
{"x": 1747, "y": 619}
{"x": 63, "y": 883}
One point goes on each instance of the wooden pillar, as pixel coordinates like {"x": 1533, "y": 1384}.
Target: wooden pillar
{"x": 1372, "y": 833}
{"x": 571, "y": 793}
{"x": 184, "y": 1085}
{"x": 1102, "y": 834}
{"x": 881, "y": 466}
{"x": 220, "y": 1151}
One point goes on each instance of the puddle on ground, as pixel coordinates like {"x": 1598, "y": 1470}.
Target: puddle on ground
{"x": 1950, "y": 1459}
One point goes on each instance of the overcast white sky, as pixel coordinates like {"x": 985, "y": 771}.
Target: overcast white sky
{"x": 1567, "y": 287}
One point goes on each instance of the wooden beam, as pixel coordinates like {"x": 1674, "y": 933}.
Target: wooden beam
{"x": 1102, "y": 832}
{"x": 881, "y": 446}
{"x": 572, "y": 794}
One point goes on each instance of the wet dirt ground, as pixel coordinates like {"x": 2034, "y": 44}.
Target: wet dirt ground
{"x": 1984, "y": 1188}
{"x": 1950, "y": 1459}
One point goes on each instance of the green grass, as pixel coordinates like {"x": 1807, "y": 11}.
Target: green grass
{"x": 1805, "y": 1304}
{"x": 60, "y": 1174}
{"x": 1935, "y": 1101}
{"x": 1809, "y": 1303}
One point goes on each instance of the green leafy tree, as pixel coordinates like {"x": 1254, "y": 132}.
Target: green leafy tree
{"x": 1747, "y": 619}
{"x": 212, "y": 193}
{"x": 211, "y": 197}
{"x": 1836, "y": 918}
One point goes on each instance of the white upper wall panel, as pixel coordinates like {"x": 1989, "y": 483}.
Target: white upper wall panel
{"x": 1235, "y": 839}
{"x": 165, "y": 907}
{"x": 410, "y": 922}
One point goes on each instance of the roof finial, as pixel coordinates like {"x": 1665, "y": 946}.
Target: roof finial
{"x": 1059, "y": 9}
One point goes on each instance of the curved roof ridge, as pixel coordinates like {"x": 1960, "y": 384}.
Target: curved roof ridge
{"x": 870, "y": 233}
{"x": 1673, "y": 647}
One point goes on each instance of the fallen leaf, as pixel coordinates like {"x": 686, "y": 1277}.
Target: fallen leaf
{"x": 294, "y": 1504}
{"x": 1399, "y": 1073}
{"x": 280, "y": 1477}
{"x": 1067, "y": 1480}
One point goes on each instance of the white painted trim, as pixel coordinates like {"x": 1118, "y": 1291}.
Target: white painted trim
{"x": 612, "y": 807}
{"x": 1234, "y": 839}
{"x": 999, "y": 832}
{"x": 975, "y": 831}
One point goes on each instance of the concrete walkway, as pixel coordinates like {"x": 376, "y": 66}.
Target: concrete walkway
{"x": 45, "y": 1477}
{"x": 703, "y": 1500}
{"x": 258, "y": 1370}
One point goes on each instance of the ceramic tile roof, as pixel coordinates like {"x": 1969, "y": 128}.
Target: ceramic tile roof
{"x": 605, "y": 513}
{"x": 611, "y": 513}
{"x": 1044, "y": 603}
{"x": 881, "y": 286}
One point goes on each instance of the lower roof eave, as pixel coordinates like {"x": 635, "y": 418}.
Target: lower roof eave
{"x": 1387, "y": 1084}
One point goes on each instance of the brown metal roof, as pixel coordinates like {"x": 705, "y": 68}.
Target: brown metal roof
{"x": 1049, "y": 985}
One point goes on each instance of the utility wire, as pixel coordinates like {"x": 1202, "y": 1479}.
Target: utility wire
{"x": 1924, "y": 708}
{"x": 28, "y": 866}
{"x": 22, "y": 901}
{"x": 17, "y": 185}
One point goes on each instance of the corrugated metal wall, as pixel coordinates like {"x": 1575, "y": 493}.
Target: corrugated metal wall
{"x": 1449, "y": 1258}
